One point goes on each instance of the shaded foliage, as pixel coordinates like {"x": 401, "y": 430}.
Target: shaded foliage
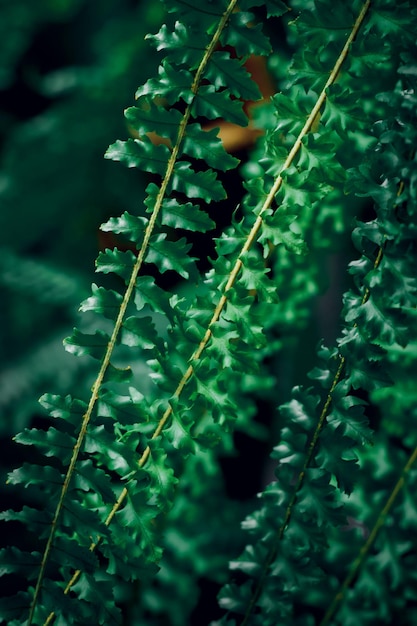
{"x": 127, "y": 501}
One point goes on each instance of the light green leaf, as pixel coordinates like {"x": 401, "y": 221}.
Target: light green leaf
{"x": 118, "y": 374}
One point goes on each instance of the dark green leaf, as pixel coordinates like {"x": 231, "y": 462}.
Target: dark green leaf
{"x": 117, "y": 261}
{"x": 30, "y": 474}
{"x": 12, "y": 560}
{"x": 197, "y": 184}
{"x": 223, "y": 71}
{"x": 205, "y": 145}
{"x": 131, "y": 226}
{"x": 171, "y": 84}
{"x": 140, "y": 153}
{"x": 82, "y": 344}
{"x": 140, "y": 332}
{"x": 52, "y": 442}
{"x": 103, "y": 301}
{"x": 275, "y": 8}
{"x": 64, "y": 407}
{"x": 130, "y": 409}
{"x": 170, "y": 255}
{"x": 214, "y": 104}
{"x": 182, "y": 44}
{"x": 147, "y": 117}
{"x": 245, "y": 36}
{"x": 147, "y": 292}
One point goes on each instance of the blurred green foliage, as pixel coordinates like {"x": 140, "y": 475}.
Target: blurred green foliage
{"x": 68, "y": 68}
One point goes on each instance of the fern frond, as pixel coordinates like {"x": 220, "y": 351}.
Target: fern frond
{"x": 177, "y": 371}
{"x": 315, "y": 454}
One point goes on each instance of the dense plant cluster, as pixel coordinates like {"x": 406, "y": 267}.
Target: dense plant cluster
{"x": 126, "y": 499}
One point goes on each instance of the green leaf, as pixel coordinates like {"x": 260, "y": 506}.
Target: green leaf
{"x": 89, "y": 477}
{"x": 253, "y": 278}
{"x": 140, "y": 332}
{"x": 101, "y": 596}
{"x": 325, "y": 25}
{"x": 205, "y": 145}
{"x": 348, "y": 416}
{"x": 51, "y": 442}
{"x": 316, "y": 499}
{"x": 69, "y": 553}
{"x": 103, "y": 301}
{"x": 171, "y": 84}
{"x": 15, "y": 606}
{"x": 30, "y": 474}
{"x": 281, "y": 227}
{"x": 220, "y": 404}
{"x": 147, "y": 117}
{"x": 178, "y": 432}
{"x": 118, "y": 374}
{"x": 308, "y": 69}
{"x": 170, "y": 255}
{"x": 64, "y": 407}
{"x": 385, "y": 325}
{"x": 138, "y": 515}
{"x": 187, "y": 216}
{"x": 291, "y": 113}
{"x": 140, "y": 153}
{"x": 82, "y": 344}
{"x": 337, "y": 455}
{"x": 223, "y": 71}
{"x": 275, "y": 8}
{"x": 131, "y": 226}
{"x": 197, "y": 184}
{"x": 245, "y": 36}
{"x": 316, "y": 152}
{"x": 182, "y": 44}
{"x": 130, "y": 409}
{"x": 162, "y": 476}
{"x": 33, "y": 519}
{"x": 116, "y": 261}
{"x": 111, "y": 454}
{"x": 342, "y": 110}
{"x": 13, "y": 560}
{"x": 214, "y": 104}
{"x": 147, "y": 292}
